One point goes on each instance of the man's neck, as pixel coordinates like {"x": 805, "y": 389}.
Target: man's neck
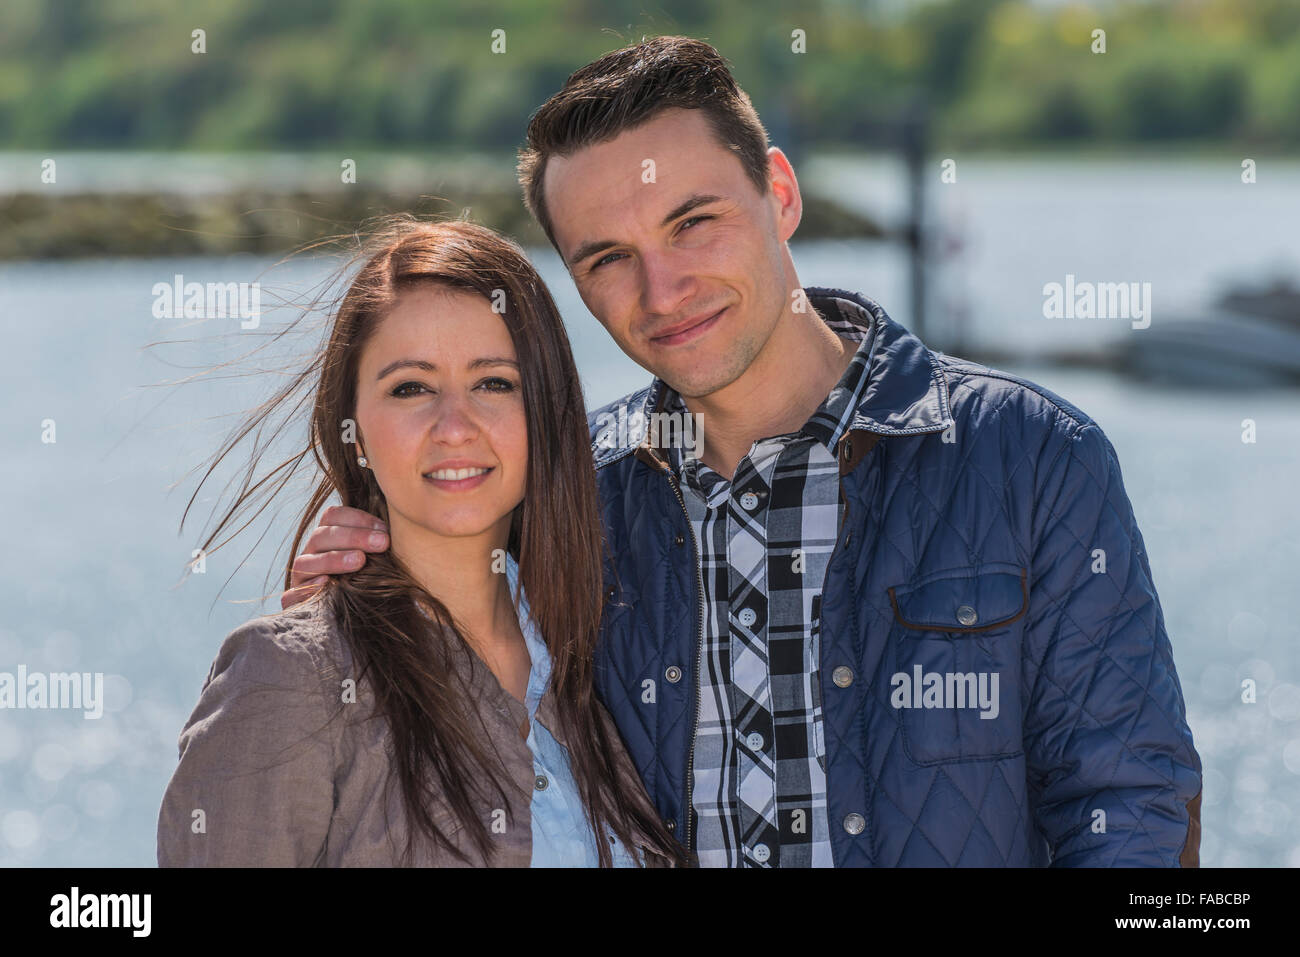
{"x": 784, "y": 385}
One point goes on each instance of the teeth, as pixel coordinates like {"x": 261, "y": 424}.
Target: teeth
{"x": 455, "y": 475}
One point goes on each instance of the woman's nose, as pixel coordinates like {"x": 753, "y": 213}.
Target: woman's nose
{"x": 455, "y": 421}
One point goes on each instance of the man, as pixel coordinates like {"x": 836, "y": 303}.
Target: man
{"x": 894, "y": 609}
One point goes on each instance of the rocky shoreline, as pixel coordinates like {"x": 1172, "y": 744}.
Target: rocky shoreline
{"x": 53, "y": 225}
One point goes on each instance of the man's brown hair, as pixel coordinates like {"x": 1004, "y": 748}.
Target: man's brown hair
{"x": 628, "y": 87}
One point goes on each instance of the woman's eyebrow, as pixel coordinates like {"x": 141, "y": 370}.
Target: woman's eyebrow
{"x": 426, "y": 366}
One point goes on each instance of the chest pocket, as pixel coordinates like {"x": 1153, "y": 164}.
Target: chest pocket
{"x": 956, "y": 640}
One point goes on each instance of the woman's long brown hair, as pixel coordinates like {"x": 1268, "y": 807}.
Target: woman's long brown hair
{"x": 440, "y": 749}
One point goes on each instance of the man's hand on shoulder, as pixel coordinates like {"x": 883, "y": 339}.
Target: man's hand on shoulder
{"x": 337, "y": 546}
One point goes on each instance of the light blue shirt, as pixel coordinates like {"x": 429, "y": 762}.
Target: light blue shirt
{"x": 562, "y": 835}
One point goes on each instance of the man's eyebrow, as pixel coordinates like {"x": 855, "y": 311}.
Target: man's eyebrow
{"x": 593, "y": 246}
{"x": 425, "y": 366}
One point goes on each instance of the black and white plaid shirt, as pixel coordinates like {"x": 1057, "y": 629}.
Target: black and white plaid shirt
{"x": 758, "y": 795}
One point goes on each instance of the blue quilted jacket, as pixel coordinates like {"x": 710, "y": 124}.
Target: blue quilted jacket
{"x": 986, "y": 532}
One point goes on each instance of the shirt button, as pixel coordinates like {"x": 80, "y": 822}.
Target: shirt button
{"x": 541, "y": 782}
{"x": 855, "y": 823}
{"x": 749, "y": 501}
{"x": 842, "y": 676}
{"x": 966, "y": 615}
{"x": 747, "y": 616}
{"x": 761, "y": 853}
{"x": 673, "y": 674}
{"x": 755, "y": 742}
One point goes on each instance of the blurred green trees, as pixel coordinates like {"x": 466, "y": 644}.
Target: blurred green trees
{"x": 411, "y": 73}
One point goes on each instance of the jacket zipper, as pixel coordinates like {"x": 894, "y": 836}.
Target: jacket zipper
{"x": 687, "y": 809}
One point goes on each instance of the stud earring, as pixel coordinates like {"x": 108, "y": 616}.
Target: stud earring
{"x": 363, "y": 461}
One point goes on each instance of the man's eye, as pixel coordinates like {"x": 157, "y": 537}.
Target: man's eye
{"x": 402, "y": 392}
{"x": 498, "y": 384}
{"x": 695, "y": 219}
{"x": 602, "y": 260}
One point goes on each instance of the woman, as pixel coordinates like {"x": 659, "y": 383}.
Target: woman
{"x": 436, "y": 707}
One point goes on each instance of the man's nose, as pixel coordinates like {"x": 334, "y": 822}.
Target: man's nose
{"x": 665, "y": 281}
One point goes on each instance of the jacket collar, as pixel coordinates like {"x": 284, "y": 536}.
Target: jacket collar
{"x": 906, "y": 394}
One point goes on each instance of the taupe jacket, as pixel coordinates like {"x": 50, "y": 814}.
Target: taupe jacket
{"x": 278, "y": 768}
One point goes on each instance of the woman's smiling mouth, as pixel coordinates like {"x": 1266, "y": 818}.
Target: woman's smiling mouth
{"x": 458, "y": 479}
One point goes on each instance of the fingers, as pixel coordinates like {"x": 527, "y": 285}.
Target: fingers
{"x": 335, "y": 538}
{"x": 336, "y": 546}
{"x": 308, "y": 565}
{"x": 352, "y": 517}
{"x": 302, "y": 592}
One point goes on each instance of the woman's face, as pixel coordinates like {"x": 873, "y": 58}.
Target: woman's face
{"x": 440, "y": 416}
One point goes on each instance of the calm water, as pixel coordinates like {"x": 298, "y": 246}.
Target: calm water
{"x": 90, "y": 578}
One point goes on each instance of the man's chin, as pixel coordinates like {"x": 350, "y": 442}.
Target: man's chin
{"x": 697, "y": 383}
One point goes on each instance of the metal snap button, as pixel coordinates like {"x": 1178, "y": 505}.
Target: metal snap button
{"x": 842, "y": 676}
{"x": 855, "y": 823}
{"x": 673, "y": 674}
{"x": 679, "y": 539}
{"x": 541, "y": 782}
{"x": 966, "y": 615}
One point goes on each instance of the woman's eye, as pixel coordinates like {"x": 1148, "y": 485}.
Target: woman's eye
{"x": 499, "y": 385}
{"x": 403, "y": 390}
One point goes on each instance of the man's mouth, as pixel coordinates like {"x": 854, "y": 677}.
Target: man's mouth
{"x": 691, "y": 332}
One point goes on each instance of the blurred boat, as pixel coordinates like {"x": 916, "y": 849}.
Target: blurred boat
{"x": 1251, "y": 337}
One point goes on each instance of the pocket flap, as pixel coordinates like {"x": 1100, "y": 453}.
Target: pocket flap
{"x": 963, "y": 602}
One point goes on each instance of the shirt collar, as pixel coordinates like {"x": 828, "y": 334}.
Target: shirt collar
{"x": 906, "y": 393}
{"x": 539, "y": 675}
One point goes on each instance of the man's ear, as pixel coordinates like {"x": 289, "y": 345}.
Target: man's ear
{"x": 785, "y": 196}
